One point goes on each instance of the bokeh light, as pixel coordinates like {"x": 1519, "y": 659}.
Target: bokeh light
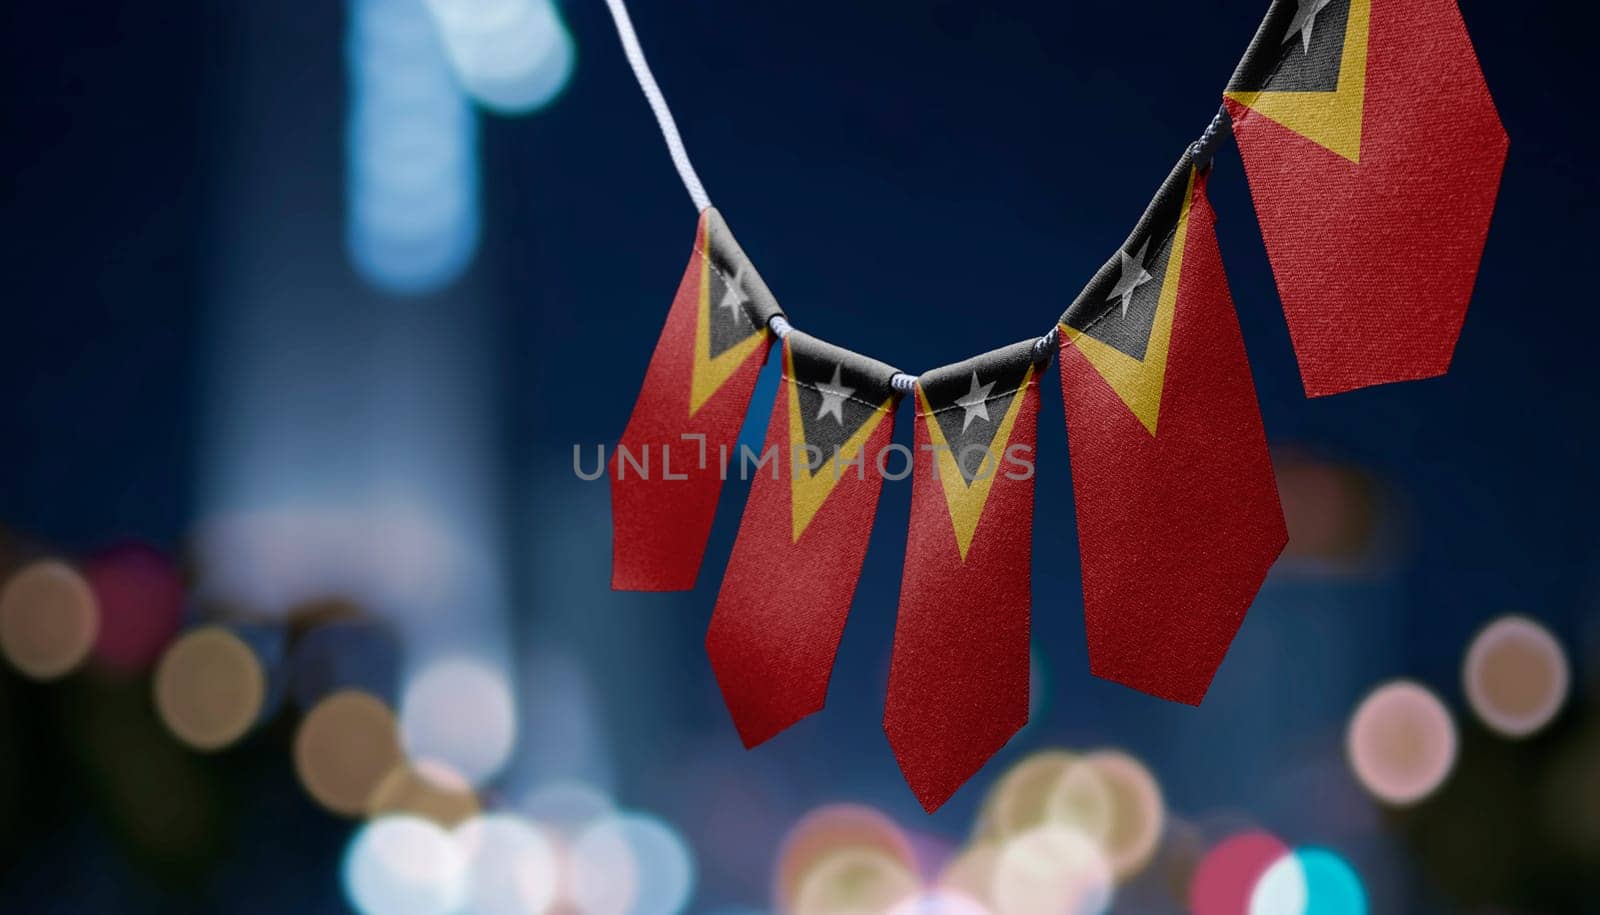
{"x": 1227, "y": 877}
{"x": 1282, "y": 889}
{"x": 930, "y": 850}
{"x": 854, "y": 881}
{"x": 1401, "y": 743}
{"x": 511, "y": 56}
{"x": 662, "y": 868}
{"x": 289, "y": 560}
{"x": 1048, "y": 786}
{"x": 140, "y": 594}
{"x": 971, "y": 872}
{"x": 1332, "y": 885}
{"x": 1137, "y": 812}
{"x": 48, "y": 619}
{"x": 426, "y": 788}
{"x": 403, "y": 865}
{"x": 834, "y": 828}
{"x": 940, "y": 902}
{"x": 566, "y": 806}
{"x": 1051, "y": 870}
{"x": 512, "y": 867}
{"x": 603, "y": 871}
{"x": 412, "y": 168}
{"x": 666, "y": 866}
{"x": 459, "y": 711}
{"x": 210, "y": 688}
{"x": 1082, "y": 799}
{"x": 344, "y": 748}
{"x": 1310, "y": 881}
{"x": 1516, "y": 676}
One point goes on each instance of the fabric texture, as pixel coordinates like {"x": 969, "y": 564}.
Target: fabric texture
{"x": 958, "y": 682}
{"x": 666, "y": 474}
{"x": 1178, "y": 515}
{"x": 1374, "y": 153}
{"x": 795, "y": 563}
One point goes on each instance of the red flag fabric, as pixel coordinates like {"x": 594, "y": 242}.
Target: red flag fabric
{"x": 1178, "y": 515}
{"x": 789, "y": 583}
{"x": 666, "y": 473}
{"x": 1374, "y": 153}
{"x": 958, "y": 683}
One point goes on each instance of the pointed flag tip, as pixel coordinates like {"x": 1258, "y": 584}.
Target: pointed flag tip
{"x": 1374, "y": 155}
{"x": 757, "y": 726}
{"x": 936, "y": 763}
{"x": 750, "y": 739}
{"x": 760, "y": 714}
{"x": 1162, "y": 684}
{"x": 933, "y": 788}
{"x": 789, "y": 583}
{"x": 931, "y": 801}
{"x": 959, "y": 674}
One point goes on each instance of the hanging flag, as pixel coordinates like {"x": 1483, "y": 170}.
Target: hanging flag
{"x": 667, "y": 471}
{"x": 1374, "y": 154}
{"x": 1178, "y": 516}
{"x": 958, "y": 684}
{"x": 790, "y": 580}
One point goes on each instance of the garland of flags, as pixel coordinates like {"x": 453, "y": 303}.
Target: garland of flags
{"x": 1373, "y": 153}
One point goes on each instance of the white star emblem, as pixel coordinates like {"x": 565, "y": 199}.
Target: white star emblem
{"x": 1133, "y": 276}
{"x": 1305, "y": 17}
{"x": 975, "y": 402}
{"x": 833, "y": 395}
{"x": 731, "y": 299}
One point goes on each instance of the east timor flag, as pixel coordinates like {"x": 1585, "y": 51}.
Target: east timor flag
{"x": 1178, "y": 516}
{"x": 958, "y": 683}
{"x": 1374, "y": 154}
{"x": 793, "y": 572}
{"x": 666, "y": 473}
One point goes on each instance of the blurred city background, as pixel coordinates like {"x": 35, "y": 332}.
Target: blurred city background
{"x": 302, "y": 608}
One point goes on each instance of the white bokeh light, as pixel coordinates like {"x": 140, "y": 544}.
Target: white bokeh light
{"x": 511, "y": 56}
{"x": 412, "y": 181}
{"x": 630, "y": 863}
{"x": 603, "y": 870}
{"x": 512, "y": 868}
{"x": 566, "y": 806}
{"x": 940, "y": 902}
{"x": 460, "y": 711}
{"x": 1051, "y": 870}
{"x": 404, "y": 865}
{"x": 1282, "y": 889}
{"x": 665, "y": 865}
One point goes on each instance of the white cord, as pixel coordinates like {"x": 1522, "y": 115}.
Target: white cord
{"x": 658, "y": 104}
{"x": 1201, "y": 151}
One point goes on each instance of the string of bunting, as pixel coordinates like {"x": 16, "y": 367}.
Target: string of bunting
{"x": 1373, "y": 153}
